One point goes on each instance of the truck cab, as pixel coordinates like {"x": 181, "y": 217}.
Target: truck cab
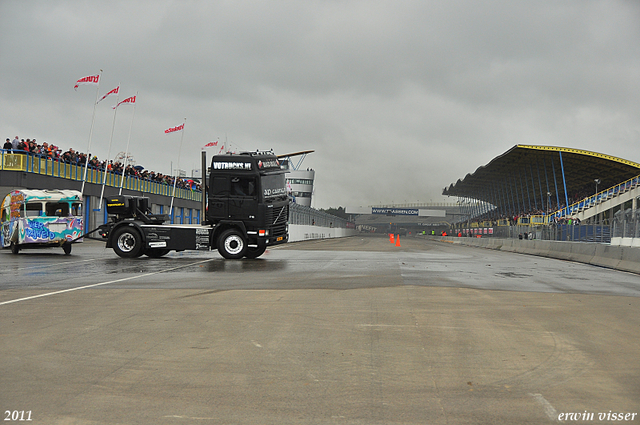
{"x": 247, "y": 210}
{"x": 247, "y": 193}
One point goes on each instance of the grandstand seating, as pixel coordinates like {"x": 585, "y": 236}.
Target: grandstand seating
{"x": 586, "y": 208}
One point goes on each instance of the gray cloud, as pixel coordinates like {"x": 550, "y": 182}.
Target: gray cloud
{"x": 398, "y": 99}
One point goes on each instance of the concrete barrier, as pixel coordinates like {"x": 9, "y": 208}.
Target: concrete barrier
{"x": 630, "y": 260}
{"x": 299, "y": 232}
{"x": 625, "y": 258}
{"x": 582, "y": 252}
{"x": 607, "y": 256}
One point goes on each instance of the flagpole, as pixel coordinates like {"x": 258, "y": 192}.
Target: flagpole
{"x": 126, "y": 151}
{"x": 175, "y": 178}
{"x": 113, "y": 126}
{"x": 86, "y": 166}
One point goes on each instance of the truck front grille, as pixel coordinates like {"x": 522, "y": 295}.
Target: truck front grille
{"x": 279, "y": 230}
{"x": 277, "y": 216}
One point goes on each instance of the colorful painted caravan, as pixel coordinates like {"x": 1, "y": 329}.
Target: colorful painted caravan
{"x": 41, "y": 218}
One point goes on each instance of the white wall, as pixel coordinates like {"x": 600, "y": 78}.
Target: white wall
{"x": 625, "y": 241}
{"x": 298, "y": 232}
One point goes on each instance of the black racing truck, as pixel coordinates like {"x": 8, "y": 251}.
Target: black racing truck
{"x": 245, "y": 204}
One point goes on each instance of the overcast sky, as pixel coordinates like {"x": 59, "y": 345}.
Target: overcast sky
{"x": 398, "y": 99}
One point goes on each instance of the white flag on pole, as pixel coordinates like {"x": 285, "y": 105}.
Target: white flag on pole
{"x": 91, "y": 79}
{"x": 176, "y": 128}
{"x": 114, "y": 91}
{"x": 130, "y": 101}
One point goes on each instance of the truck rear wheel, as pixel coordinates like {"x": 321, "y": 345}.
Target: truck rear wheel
{"x": 127, "y": 242}
{"x": 15, "y": 248}
{"x": 66, "y": 247}
{"x": 255, "y": 252}
{"x": 232, "y": 245}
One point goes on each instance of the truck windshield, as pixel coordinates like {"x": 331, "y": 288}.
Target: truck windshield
{"x": 273, "y": 186}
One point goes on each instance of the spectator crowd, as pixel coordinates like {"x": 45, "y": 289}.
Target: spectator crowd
{"x": 512, "y": 219}
{"x": 71, "y": 156}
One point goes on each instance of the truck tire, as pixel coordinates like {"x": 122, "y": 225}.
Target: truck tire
{"x": 232, "y": 244}
{"x": 255, "y": 252}
{"x": 127, "y": 242}
{"x": 15, "y": 248}
{"x": 66, "y": 247}
{"x": 156, "y": 252}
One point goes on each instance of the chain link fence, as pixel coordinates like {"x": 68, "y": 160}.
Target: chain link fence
{"x": 626, "y": 224}
{"x": 600, "y": 233}
{"x": 299, "y": 214}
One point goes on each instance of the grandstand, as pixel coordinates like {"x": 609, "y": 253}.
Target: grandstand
{"x": 545, "y": 188}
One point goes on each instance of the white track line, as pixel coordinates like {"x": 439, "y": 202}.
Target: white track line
{"x": 549, "y": 410}
{"x": 100, "y": 284}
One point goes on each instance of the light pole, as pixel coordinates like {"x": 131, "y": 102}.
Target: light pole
{"x": 548, "y": 204}
{"x": 595, "y": 199}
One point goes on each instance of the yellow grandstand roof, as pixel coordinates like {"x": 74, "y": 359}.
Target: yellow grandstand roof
{"x": 527, "y": 172}
{"x": 581, "y": 152}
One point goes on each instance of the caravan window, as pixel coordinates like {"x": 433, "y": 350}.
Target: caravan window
{"x": 76, "y": 209}
{"x": 57, "y": 209}
{"x": 33, "y": 209}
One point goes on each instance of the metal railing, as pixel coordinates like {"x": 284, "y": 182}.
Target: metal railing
{"x": 599, "y": 197}
{"x": 38, "y": 164}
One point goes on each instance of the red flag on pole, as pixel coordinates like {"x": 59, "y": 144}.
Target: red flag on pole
{"x": 176, "y": 128}
{"x": 210, "y": 144}
{"x": 91, "y": 79}
{"x": 129, "y": 100}
{"x": 114, "y": 91}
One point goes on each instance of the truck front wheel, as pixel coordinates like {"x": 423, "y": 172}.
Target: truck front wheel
{"x": 255, "y": 252}
{"x": 232, "y": 244}
{"x": 127, "y": 242}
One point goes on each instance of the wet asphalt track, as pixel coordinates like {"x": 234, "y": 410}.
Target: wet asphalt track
{"x": 349, "y": 331}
